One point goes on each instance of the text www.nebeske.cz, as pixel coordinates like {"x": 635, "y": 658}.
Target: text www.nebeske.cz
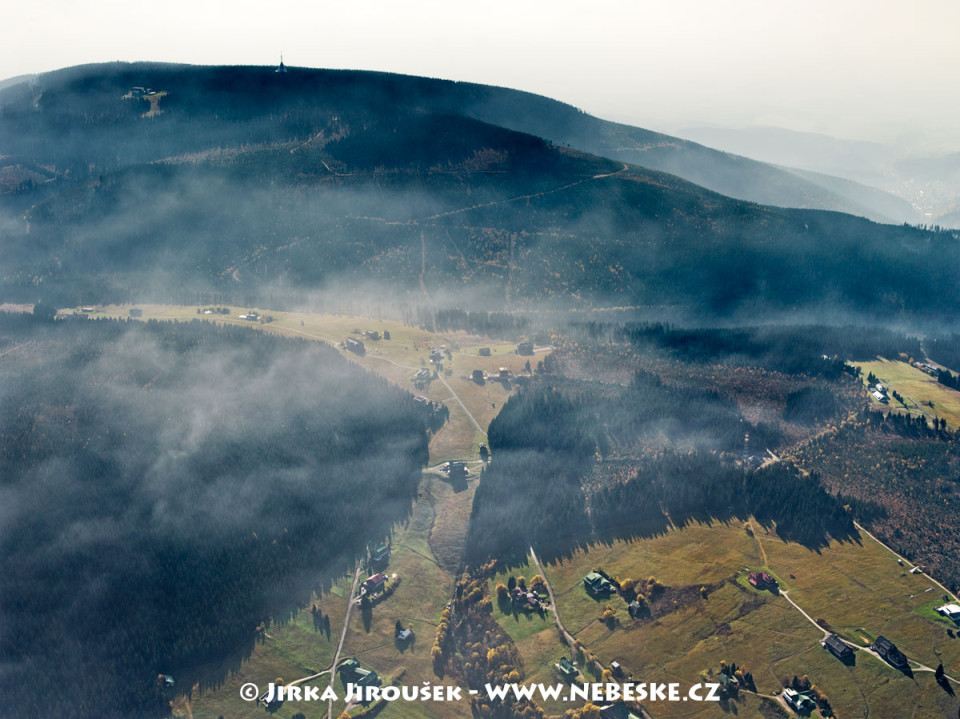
{"x": 594, "y": 692}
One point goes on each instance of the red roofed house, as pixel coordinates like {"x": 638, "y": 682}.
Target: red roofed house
{"x": 762, "y": 580}
{"x": 373, "y": 585}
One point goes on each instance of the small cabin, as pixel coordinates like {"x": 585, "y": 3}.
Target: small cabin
{"x": 889, "y": 651}
{"x": 380, "y": 554}
{"x": 762, "y": 580}
{"x": 355, "y": 346}
{"x": 373, "y": 585}
{"x": 839, "y": 648}
{"x": 598, "y": 585}
{"x": 566, "y": 669}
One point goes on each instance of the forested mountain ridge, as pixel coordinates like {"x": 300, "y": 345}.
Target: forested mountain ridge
{"x": 268, "y": 187}
{"x": 218, "y": 92}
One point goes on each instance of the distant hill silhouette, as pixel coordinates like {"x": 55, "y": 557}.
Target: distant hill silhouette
{"x": 243, "y": 180}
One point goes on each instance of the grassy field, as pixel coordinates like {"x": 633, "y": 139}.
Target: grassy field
{"x": 863, "y": 586}
{"x": 918, "y": 389}
{"x": 848, "y": 585}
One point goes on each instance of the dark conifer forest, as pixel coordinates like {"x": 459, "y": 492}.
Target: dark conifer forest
{"x": 576, "y": 461}
{"x": 168, "y": 487}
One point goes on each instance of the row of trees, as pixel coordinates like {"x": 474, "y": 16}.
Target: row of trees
{"x": 548, "y": 483}
{"x": 815, "y": 350}
{"x": 480, "y": 322}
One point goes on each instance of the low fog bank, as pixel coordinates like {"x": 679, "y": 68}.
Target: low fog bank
{"x": 165, "y": 488}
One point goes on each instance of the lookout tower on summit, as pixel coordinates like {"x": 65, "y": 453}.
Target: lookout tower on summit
{"x": 281, "y": 67}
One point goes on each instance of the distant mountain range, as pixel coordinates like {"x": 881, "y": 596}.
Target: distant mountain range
{"x": 913, "y": 181}
{"x": 165, "y": 180}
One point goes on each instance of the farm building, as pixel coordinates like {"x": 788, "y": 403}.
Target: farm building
{"x": 597, "y": 584}
{"x": 728, "y": 684}
{"x": 379, "y": 556}
{"x": 800, "y": 702}
{"x": 888, "y": 651}
{"x": 762, "y": 580}
{"x": 355, "y": 346}
{"x": 839, "y": 648}
{"x": 950, "y": 611}
{"x": 373, "y": 585}
{"x": 566, "y": 669}
{"x": 484, "y": 352}
{"x": 456, "y": 469}
{"x": 352, "y": 673}
{"x": 527, "y": 601}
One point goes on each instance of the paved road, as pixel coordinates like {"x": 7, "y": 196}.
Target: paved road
{"x": 343, "y": 636}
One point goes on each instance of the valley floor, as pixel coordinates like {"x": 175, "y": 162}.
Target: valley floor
{"x": 704, "y": 613}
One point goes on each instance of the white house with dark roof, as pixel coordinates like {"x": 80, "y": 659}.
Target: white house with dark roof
{"x": 950, "y": 611}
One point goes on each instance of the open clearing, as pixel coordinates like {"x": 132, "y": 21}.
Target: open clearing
{"x": 848, "y": 585}
{"x": 918, "y": 389}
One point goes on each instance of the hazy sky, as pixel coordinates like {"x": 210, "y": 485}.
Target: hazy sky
{"x": 860, "y": 69}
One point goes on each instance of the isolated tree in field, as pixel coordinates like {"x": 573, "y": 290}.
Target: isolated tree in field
{"x": 398, "y": 627}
